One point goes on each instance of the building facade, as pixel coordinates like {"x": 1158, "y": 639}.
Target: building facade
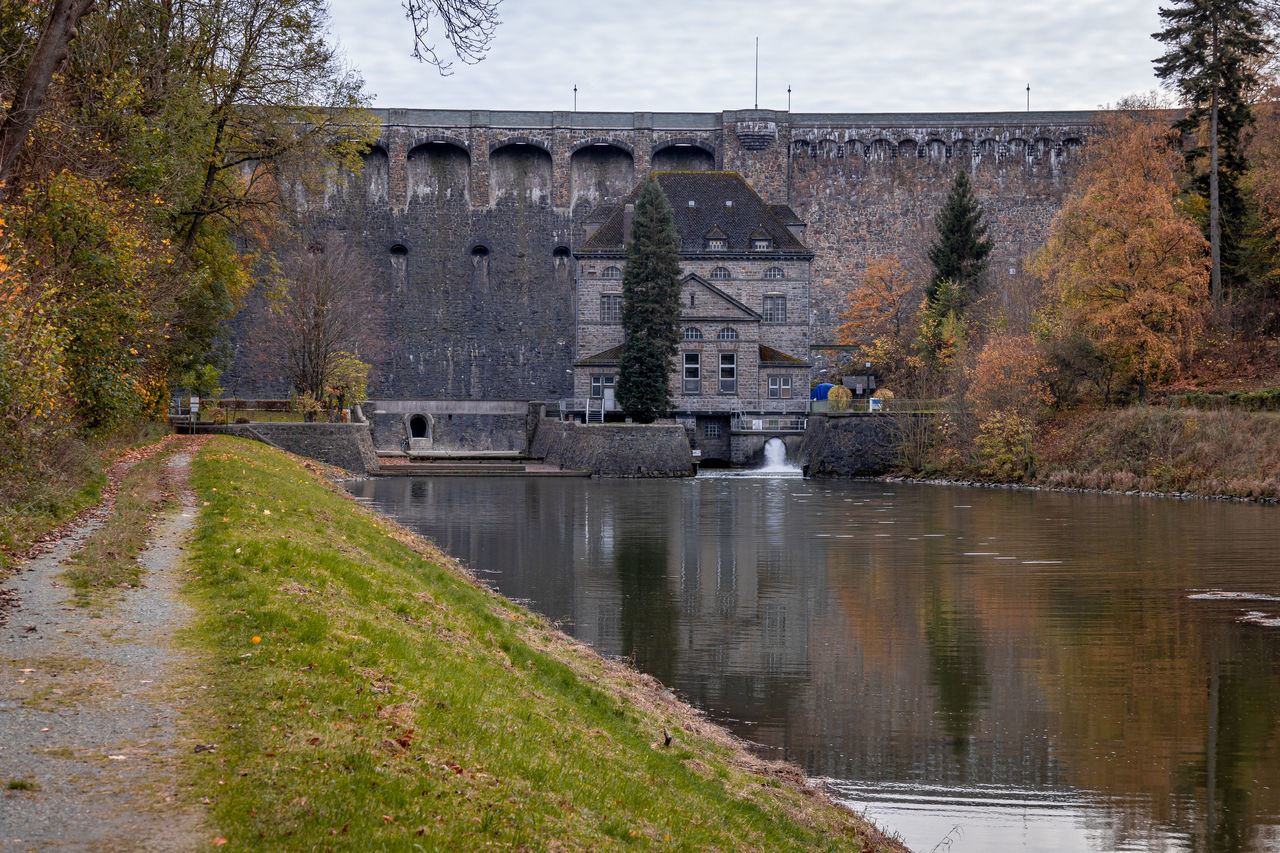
{"x": 745, "y": 306}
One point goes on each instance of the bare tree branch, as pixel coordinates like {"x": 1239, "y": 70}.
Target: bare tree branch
{"x": 468, "y": 25}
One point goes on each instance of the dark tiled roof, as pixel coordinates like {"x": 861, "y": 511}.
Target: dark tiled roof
{"x": 709, "y": 192}
{"x": 608, "y": 358}
{"x": 786, "y": 214}
{"x": 769, "y": 355}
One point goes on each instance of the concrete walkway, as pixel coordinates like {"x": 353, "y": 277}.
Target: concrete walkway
{"x": 90, "y": 704}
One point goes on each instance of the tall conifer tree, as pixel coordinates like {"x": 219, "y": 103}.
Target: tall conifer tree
{"x": 1209, "y": 61}
{"x": 650, "y": 307}
{"x": 959, "y": 253}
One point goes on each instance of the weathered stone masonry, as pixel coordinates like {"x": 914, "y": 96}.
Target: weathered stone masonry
{"x": 469, "y": 218}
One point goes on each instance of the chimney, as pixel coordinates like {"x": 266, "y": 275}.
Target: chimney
{"x": 628, "y": 218}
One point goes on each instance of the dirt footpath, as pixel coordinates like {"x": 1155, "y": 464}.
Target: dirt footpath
{"x": 90, "y": 704}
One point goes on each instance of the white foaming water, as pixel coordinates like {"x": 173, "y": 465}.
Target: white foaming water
{"x": 775, "y": 458}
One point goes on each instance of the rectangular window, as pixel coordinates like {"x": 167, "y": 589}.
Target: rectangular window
{"x": 692, "y": 373}
{"x": 761, "y": 244}
{"x": 599, "y": 383}
{"x": 779, "y": 387}
{"x": 728, "y": 373}
{"x": 775, "y": 309}
{"x": 711, "y": 430}
{"x": 716, "y": 244}
{"x": 611, "y": 307}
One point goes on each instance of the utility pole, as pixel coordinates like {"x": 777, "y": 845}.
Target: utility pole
{"x": 575, "y": 97}
{"x": 1028, "y": 97}
{"x": 757, "y": 101}
{"x": 788, "y": 97}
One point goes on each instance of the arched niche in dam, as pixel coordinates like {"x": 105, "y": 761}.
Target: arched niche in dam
{"x": 600, "y": 171}
{"x": 374, "y": 175}
{"x": 439, "y": 171}
{"x": 520, "y": 172}
{"x": 683, "y": 155}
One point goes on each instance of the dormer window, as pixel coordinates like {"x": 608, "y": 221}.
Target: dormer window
{"x": 761, "y": 244}
{"x": 720, "y": 274}
{"x": 611, "y": 273}
{"x": 717, "y": 244}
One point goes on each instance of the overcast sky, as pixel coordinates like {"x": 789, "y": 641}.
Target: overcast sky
{"x": 837, "y": 55}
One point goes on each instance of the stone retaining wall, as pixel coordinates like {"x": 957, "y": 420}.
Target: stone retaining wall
{"x": 347, "y": 446}
{"x": 615, "y": 450}
{"x": 850, "y": 445}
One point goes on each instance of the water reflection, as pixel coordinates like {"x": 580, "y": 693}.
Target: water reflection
{"x": 1045, "y": 671}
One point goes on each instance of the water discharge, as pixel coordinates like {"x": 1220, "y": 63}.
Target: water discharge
{"x": 775, "y": 458}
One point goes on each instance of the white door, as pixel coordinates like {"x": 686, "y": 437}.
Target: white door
{"x": 608, "y": 398}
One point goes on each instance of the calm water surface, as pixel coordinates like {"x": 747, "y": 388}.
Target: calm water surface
{"x": 993, "y": 669}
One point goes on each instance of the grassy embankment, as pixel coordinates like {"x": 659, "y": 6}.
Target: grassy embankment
{"x": 364, "y": 694}
{"x": 1149, "y": 448}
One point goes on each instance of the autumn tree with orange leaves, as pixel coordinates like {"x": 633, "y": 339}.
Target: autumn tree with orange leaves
{"x": 881, "y": 315}
{"x": 1126, "y": 271}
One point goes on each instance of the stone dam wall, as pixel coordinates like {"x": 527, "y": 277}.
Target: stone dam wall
{"x": 615, "y": 450}
{"x": 466, "y": 220}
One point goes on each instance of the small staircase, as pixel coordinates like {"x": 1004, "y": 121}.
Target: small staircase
{"x": 476, "y": 464}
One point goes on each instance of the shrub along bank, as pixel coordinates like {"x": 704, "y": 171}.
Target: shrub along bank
{"x": 364, "y": 693}
{"x": 1226, "y": 451}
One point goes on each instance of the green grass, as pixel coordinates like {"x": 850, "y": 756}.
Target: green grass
{"x": 22, "y": 785}
{"x": 393, "y": 704}
{"x": 108, "y": 560}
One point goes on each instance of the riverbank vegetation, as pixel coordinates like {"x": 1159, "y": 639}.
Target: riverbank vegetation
{"x": 365, "y": 693}
{"x": 144, "y": 147}
{"x": 1132, "y": 347}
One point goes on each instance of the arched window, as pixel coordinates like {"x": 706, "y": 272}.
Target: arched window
{"x": 728, "y": 333}
{"x": 720, "y": 274}
{"x": 774, "y": 272}
{"x": 692, "y": 333}
{"x": 612, "y": 273}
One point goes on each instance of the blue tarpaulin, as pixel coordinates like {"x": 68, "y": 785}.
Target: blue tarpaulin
{"x": 820, "y": 392}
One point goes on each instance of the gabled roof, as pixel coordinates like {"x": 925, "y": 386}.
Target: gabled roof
{"x": 722, "y": 200}
{"x": 778, "y": 358}
{"x": 735, "y": 307}
{"x": 609, "y": 358}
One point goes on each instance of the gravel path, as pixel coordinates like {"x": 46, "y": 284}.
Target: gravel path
{"x": 89, "y": 704}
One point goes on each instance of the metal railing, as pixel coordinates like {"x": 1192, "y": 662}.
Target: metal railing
{"x": 767, "y": 423}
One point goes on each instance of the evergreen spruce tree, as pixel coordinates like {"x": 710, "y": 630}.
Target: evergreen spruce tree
{"x": 650, "y": 307}
{"x": 959, "y": 254}
{"x": 1210, "y": 62}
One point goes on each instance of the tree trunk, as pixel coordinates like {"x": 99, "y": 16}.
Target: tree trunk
{"x": 1215, "y": 228}
{"x": 51, "y": 51}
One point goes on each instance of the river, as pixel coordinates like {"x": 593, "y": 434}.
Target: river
{"x": 977, "y": 669}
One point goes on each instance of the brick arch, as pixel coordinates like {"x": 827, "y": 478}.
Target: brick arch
{"x": 684, "y": 141}
{"x": 441, "y": 139}
{"x": 519, "y": 140}
{"x": 880, "y": 148}
{"x": 603, "y": 140}
{"x": 962, "y": 146}
{"x": 935, "y": 147}
{"x": 1018, "y": 146}
{"x": 908, "y": 147}
{"x": 438, "y": 171}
